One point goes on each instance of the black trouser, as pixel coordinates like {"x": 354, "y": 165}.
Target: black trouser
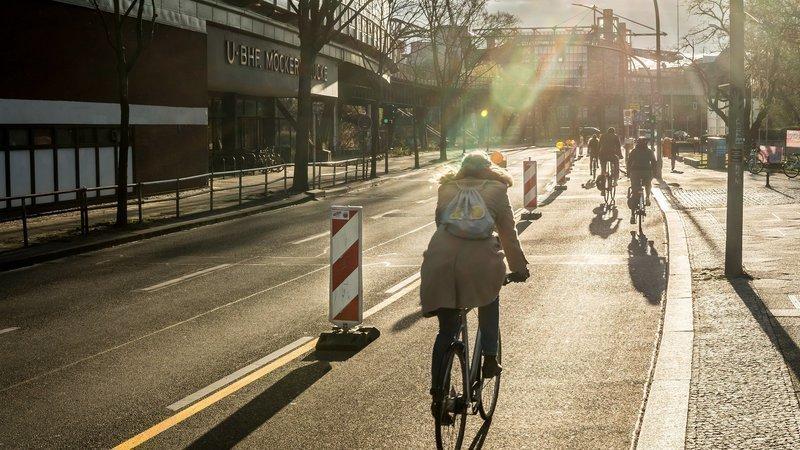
{"x": 450, "y": 325}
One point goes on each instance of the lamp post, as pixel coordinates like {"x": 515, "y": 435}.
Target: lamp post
{"x": 659, "y": 94}
{"x": 485, "y": 116}
{"x": 736, "y": 126}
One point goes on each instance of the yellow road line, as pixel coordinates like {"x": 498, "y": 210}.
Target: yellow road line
{"x": 182, "y": 415}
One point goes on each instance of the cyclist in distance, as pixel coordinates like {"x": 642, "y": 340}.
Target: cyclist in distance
{"x": 641, "y": 164}
{"x": 460, "y": 272}
{"x": 594, "y": 151}
{"x": 610, "y": 152}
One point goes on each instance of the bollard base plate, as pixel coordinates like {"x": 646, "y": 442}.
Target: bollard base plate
{"x": 531, "y": 215}
{"x": 347, "y": 341}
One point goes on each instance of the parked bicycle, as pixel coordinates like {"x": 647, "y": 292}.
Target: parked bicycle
{"x": 271, "y": 158}
{"x": 756, "y": 161}
{"x": 791, "y": 166}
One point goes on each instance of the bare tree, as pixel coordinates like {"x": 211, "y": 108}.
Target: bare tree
{"x": 126, "y": 53}
{"x": 397, "y": 22}
{"x": 765, "y": 58}
{"x": 318, "y": 22}
{"x": 458, "y": 32}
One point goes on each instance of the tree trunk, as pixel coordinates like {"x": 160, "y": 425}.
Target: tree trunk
{"x": 443, "y": 128}
{"x": 375, "y": 127}
{"x": 304, "y": 118}
{"x": 122, "y": 150}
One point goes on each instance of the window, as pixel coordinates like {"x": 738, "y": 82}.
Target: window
{"x": 18, "y": 137}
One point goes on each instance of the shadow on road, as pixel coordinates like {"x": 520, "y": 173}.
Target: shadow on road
{"x": 602, "y": 226}
{"x": 480, "y": 438}
{"x": 407, "y": 321}
{"x": 248, "y": 418}
{"x": 522, "y": 226}
{"x": 647, "y": 268}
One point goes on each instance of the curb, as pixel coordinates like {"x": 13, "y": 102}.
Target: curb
{"x": 663, "y": 418}
{"x": 11, "y": 263}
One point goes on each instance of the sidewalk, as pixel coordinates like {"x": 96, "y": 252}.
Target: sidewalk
{"x": 745, "y": 364}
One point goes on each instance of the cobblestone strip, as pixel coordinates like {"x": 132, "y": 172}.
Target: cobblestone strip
{"x": 664, "y": 419}
{"x": 741, "y": 395}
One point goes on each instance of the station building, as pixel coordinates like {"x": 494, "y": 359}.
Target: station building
{"x": 217, "y": 83}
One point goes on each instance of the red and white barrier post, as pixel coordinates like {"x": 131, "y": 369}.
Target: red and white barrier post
{"x": 562, "y": 167}
{"x": 530, "y": 191}
{"x": 346, "y": 298}
{"x": 346, "y": 288}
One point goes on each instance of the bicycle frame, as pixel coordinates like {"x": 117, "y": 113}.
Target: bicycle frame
{"x": 473, "y": 362}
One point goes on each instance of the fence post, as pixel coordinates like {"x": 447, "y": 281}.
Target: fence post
{"x": 240, "y": 186}
{"x": 334, "y": 175}
{"x": 84, "y": 212}
{"x": 285, "y": 167}
{"x": 266, "y": 182}
{"x": 24, "y": 224}
{"x": 211, "y": 192}
{"x": 139, "y": 199}
{"x": 346, "y": 170}
{"x": 177, "y": 197}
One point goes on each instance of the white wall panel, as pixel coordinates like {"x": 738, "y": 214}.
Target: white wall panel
{"x": 106, "y": 163}
{"x": 20, "y": 174}
{"x": 66, "y": 172}
{"x": 44, "y": 174}
{"x": 87, "y": 169}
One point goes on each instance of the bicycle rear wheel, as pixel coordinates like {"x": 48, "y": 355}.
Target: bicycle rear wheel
{"x": 490, "y": 388}
{"x": 755, "y": 166}
{"x": 452, "y": 421}
{"x": 791, "y": 168}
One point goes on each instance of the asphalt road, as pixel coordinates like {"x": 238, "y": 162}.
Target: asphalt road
{"x": 107, "y": 341}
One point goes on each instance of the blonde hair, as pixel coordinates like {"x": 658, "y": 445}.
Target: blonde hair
{"x": 478, "y": 164}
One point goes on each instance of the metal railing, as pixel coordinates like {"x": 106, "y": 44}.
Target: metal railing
{"x": 21, "y": 207}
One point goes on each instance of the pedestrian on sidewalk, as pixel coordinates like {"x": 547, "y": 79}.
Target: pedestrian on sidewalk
{"x": 641, "y": 165}
{"x": 460, "y": 271}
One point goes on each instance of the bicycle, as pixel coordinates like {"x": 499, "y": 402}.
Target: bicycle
{"x": 754, "y": 162}
{"x": 271, "y": 159}
{"x": 610, "y": 188}
{"x": 593, "y": 164}
{"x": 791, "y": 167}
{"x": 639, "y": 210}
{"x": 466, "y": 392}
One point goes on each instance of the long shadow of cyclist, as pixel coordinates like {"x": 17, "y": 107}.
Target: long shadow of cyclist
{"x": 604, "y": 226}
{"x": 646, "y": 268}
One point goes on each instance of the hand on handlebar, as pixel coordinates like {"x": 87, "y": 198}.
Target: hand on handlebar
{"x": 518, "y": 277}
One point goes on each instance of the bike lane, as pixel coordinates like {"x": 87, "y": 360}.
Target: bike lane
{"x": 578, "y": 339}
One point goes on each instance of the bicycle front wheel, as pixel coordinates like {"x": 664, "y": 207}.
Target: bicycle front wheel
{"x": 490, "y": 389}
{"x": 452, "y": 420}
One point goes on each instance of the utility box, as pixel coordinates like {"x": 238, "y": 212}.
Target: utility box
{"x": 717, "y": 151}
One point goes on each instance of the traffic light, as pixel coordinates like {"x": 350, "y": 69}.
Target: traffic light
{"x": 389, "y": 113}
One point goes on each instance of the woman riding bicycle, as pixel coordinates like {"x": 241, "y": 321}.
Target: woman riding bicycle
{"x": 459, "y": 272}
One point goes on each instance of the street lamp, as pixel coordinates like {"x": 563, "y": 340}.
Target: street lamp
{"x": 660, "y": 94}
{"x": 485, "y": 116}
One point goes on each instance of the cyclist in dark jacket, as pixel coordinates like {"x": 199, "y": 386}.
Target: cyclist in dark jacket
{"x": 610, "y": 152}
{"x": 641, "y": 164}
{"x": 594, "y": 152}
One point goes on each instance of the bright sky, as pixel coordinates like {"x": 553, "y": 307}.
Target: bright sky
{"x": 546, "y": 13}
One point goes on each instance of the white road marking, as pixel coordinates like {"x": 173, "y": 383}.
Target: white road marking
{"x": 419, "y": 202}
{"x": 399, "y": 237}
{"x": 396, "y": 296}
{"x": 776, "y": 216}
{"x": 403, "y": 283}
{"x": 213, "y": 387}
{"x": 795, "y": 301}
{"x": 311, "y": 238}
{"x": 173, "y": 281}
{"x": 382, "y": 215}
{"x": 8, "y": 330}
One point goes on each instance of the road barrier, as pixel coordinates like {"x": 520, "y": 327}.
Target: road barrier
{"x": 345, "y": 308}
{"x": 563, "y": 161}
{"x": 529, "y": 184}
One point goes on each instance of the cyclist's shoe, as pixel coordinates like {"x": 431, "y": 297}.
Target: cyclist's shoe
{"x": 491, "y": 368}
{"x": 633, "y": 220}
{"x": 436, "y": 409}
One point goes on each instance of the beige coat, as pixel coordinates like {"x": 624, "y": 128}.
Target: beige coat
{"x": 462, "y": 273}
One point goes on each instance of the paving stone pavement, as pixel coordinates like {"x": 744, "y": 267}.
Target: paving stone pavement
{"x": 744, "y": 367}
